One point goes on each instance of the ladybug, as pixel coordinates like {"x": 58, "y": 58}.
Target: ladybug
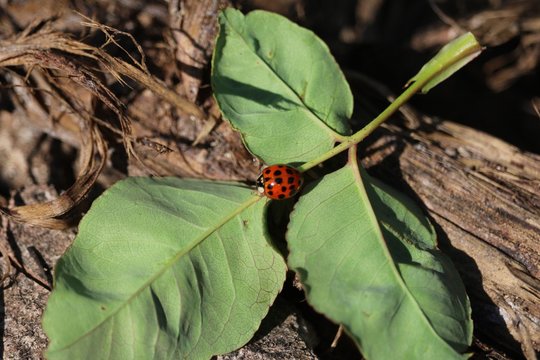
{"x": 279, "y": 182}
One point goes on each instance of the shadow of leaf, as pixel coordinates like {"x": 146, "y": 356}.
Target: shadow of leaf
{"x": 224, "y": 85}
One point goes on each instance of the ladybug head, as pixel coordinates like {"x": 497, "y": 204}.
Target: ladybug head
{"x": 260, "y": 184}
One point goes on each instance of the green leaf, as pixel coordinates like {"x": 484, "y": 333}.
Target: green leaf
{"x": 278, "y": 84}
{"x": 395, "y": 294}
{"x": 164, "y": 268}
{"x": 412, "y": 242}
{"x": 452, "y": 57}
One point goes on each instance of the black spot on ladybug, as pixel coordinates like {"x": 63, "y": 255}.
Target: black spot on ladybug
{"x": 279, "y": 181}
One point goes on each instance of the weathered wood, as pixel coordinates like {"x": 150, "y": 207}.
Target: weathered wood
{"x": 194, "y": 27}
{"x": 483, "y": 195}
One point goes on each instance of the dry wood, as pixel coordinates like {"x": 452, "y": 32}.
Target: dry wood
{"x": 483, "y": 195}
{"x": 194, "y": 26}
{"x": 48, "y": 57}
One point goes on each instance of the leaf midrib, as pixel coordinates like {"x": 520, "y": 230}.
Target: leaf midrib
{"x": 242, "y": 207}
{"x": 398, "y": 278}
{"x": 321, "y": 123}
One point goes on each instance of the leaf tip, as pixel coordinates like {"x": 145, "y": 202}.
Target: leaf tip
{"x": 451, "y": 58}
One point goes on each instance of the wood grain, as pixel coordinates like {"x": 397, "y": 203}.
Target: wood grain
{"x": 194, "y": 26}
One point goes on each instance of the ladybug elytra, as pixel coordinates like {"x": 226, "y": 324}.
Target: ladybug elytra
{"x": 279, "y": 182}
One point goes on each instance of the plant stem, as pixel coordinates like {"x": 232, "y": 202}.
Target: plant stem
{"x": 368, "y": 129}
{"x": 455, "y": 54}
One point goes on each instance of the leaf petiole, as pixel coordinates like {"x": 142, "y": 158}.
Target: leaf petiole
{"x": 450, "y": 59}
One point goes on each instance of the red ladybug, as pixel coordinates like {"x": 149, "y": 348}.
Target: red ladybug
{"x": 279, "y": 182}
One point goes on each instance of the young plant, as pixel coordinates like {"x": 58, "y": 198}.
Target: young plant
{"x": 176, "y": 268}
